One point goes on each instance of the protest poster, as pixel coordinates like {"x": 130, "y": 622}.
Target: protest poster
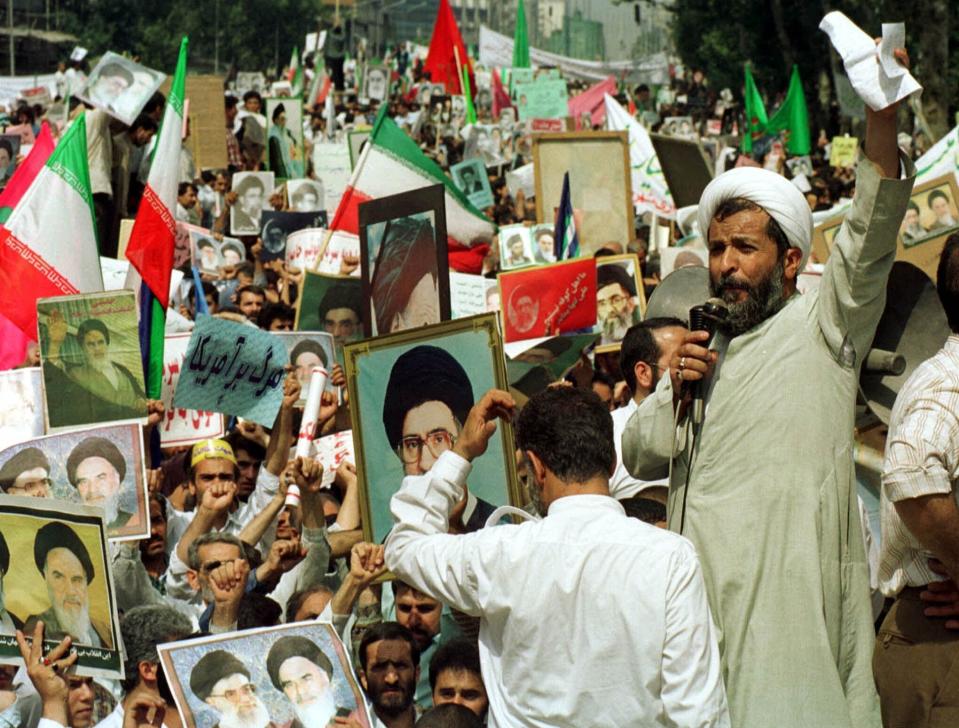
{"x": 536, "y": 363}
{"x": 542, "y": 99}
{"x": 279, "y": 225}
{"x": 842, "y": 151}
{"x": 548, "y": 300}
{"x": 485, "y": 141}
{"x": 404, "y": 265}
{"x": 21, "y": 417}
{"x": 471, "y": 179}
{"x": 679, "y": 126}
{"x": 120, "y": 86}
{"x": 620, "y": 298}
{"x": 355, "y": 139}
{"x": 305, "y": 195}
{"x": 49, "y": 540}
{"x": 234, "y": 369}
{"x": 253, "y": 190}
{"x": 333, "y": 304}
{"x": 304, "y": 247}
{"x": 182, "y": 251}
{"x": 331, "y": 166}
{"x": 675, "y": 257}
{"x": 338, "y": 247}
{"x": 207, "y": 140}
{"x": 376, "y": 83}
{"x": 250, "y": 81}
{"x": 90, "y": 352}
{"x": 99, "y": 467}
{"x": 599, "y": 179}
{"x": 471, "y": 295}
{"x": 685, "y": 167}
{"x": 284, "y": 134}
{"x": 515, "y": 247}
{"x": 522, "y": 179}
{"x": 518, "y": 76}
{"x": 37, "y": 95}
{"x": 265, "y": 664}
{"x": 440, "y": 371}
{"x": 181, "y": 426}
{"x": 331, "y": 452}
{"x": 305, "y": 350}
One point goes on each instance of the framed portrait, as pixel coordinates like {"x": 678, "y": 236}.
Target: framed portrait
{"x": 284, "y": 137}
{"x": 333, "y": 304}
{"x": 403, "y": 261}
{"x": 308, "y": 349}
{"x": 485, "y": 142}
{"x": 90, "y": 353}
{"x": 471, "y": 179}
{"x": 21, "y": 417}
{"x": 933, "y": 210}
{"x": 515, "y": 247}
{"x": 292, "y": 674}
{"x": 278, "y": 225}
{"x": 305, "y": 195}
{"x": 376, "y": 83}
{"x": 410, "y": 393}
{"x": 548, "y": 299}
{"x": 253, "y": 191}
{"x": 823, "y": 236}
{"x": 620, "y": 298}
{"x": 180, "y": 426}
{"x": 120, "y": 87}
{"x": 599, "y": 180}
{"x": 356, "y": 138}
{"x": 99, "y": 467}
{"x": 49, "y": 540}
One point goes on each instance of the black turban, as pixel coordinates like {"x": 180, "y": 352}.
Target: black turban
{"x": 295, "y": 646}
{"x": 29, "y": 458}
{"x": 58, "y": 535}
{"x": 611, "y": 273}
{"x": 4, "y": 555}
{"x": 95, "y": 447}
{"x": 342, "y": 294}
{"x": 211, "y": 668}
{"x": 407, "y": 254}
{"x": 424, "y": 374}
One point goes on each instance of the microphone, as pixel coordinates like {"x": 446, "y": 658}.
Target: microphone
{"x": 705, "y": 317}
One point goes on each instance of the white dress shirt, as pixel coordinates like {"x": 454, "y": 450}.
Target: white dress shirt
{"x": 623, "y": 485}
{"x": 588, "y": 617}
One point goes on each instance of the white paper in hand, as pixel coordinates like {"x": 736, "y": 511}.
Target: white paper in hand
{"x": 866, "y": 64}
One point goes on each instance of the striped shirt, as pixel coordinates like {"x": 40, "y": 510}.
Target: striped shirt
{"x": 922, "y": 458}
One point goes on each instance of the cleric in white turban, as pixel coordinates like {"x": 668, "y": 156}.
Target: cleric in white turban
{"x": 764, "y": 486}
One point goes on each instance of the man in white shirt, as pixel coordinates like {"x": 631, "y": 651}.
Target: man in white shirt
{"x": 587, "y": 617}
{"x": 643, "y": 358}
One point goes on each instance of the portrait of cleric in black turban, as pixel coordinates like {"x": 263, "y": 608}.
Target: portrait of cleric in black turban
{"x": 413, "y": 392}
{"x": 404, "y": 267}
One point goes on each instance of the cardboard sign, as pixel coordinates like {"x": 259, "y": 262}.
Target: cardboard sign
{"x": 548, "y": 300}
{"x": 544, "y": 99}
{"x": 338, "y": 245}
{"x": 332, "y": 451}
{"x": 181, "y": 426}
{"x": 331, "y": 164}
{"x": 842, "y": 151}
{"x": 234, "y": 369}
{"x": 472, "y": 294}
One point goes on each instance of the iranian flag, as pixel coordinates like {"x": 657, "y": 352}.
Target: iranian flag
{"x": 391, "y": 163}
{"x": 48, "y": 245}
{"x": 150, "y": 250}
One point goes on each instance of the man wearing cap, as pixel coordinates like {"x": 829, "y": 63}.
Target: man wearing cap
{"x": 223, "y": 682}
{"x": 26, "y": 473}
{"x": 617, "y": 307}
{"x": 763, "y": 484}
{"x": 9, "y": 624}
{"x": 96, "y": 469}
{"x": 301, "y": 671}
{"x": 427, "y": 398}
{"x": 66, "y": 567}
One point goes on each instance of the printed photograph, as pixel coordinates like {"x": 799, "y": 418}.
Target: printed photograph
{"x": 253, "y": 191}
{"x": 120, "y": 87}
{"x": 471, "y": 179}
{"x": 933, "y": 209}
{"x": 544, "y": 243}
{"x": 515, "y": 247}
{"x": 278, "y": 225}
{"x": 376, "y": 83}
{"x": 308, "y": 350}
{"x": 333, "y": 304}
{"x": 620, "y": 298}
{"x": 284, "y": 123}
{"x": 305, "y": 195}
{"x": 9, "y": 149}
{"x": 356, "y": 138}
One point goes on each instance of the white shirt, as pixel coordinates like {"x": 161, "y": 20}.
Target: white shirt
{"x": 588, "y": 617}
{"x": 922, "y": 458}
{"x": 622, "y": 484}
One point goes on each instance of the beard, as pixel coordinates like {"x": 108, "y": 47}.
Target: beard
{"x": 255, "y": 717}
{"x": 394, "y": 702}
{"x": 111, "y": 506}
{"x": 762, "y": 300}
{"x": 74, "y": 620}
{"x": 317, "y": 713}
{"x": 616, "y": 325}
{"x": 534, "y": 492}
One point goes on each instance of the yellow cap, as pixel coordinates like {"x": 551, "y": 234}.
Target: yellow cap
{"x": 212, "y": 450}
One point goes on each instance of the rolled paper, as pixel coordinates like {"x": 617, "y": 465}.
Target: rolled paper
{"x": 318, "y": 378}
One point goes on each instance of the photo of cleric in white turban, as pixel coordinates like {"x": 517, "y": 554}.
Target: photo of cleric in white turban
{"x": 300, "y": 670}
{"x": 67, "y": 569}
{"x": 428, "y": 396}
{"x": 96, "y": 468}
{"x": 223, "y": 682}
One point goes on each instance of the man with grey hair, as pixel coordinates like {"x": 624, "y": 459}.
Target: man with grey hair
{"x": 147, "y": 692}
{"x": 762, "y": 484}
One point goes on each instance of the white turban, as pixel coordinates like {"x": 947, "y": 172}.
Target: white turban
{"x": 772, "y": 192}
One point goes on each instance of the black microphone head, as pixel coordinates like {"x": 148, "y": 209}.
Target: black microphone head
{"x": 716, "y": 307}
{"x": 706, "y": 316}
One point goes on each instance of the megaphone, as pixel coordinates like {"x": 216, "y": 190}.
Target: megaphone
{"x": 678, "y": 292}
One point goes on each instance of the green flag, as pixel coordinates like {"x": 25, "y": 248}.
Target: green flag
{"x": 793, "y": 118}
{"x": 468, "y": 96}
{"x": 520, "y": 39}
{"x": 755, "y": 113}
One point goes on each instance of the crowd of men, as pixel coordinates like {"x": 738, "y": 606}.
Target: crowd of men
{"x": 752, "y": 609}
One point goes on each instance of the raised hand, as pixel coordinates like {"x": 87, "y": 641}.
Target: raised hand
{"x": 481, "y": 423}
{"x": 47, "y": 672}
{"x": 367, "y": 562}
{"x": 218, "y": 496}
{"x": 228, "y": 581}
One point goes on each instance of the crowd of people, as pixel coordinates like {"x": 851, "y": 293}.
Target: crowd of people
{"x": 753, "y": 608}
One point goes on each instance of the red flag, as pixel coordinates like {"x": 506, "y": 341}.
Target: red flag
{"x": 591, "y": 102}
{"x": 27, "y": 170}
{"x": 500, "y": 97}
{"x": 441, "y": 59}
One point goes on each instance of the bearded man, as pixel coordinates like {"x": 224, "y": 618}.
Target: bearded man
{"x": 96, "y": 468}
{"x": 763, "y": 485}
{"x": 66, "y": 567}
{"x": 223, "y": 682}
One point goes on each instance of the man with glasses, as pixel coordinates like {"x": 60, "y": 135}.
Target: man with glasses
{"x": 617, "y": 307}
{"x": 427, "y": 398}
{"x": 26, "y": 473}
{"x": 223, "y": 682}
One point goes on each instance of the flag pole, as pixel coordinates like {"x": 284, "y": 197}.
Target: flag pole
{"x": 459, "y": 66}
